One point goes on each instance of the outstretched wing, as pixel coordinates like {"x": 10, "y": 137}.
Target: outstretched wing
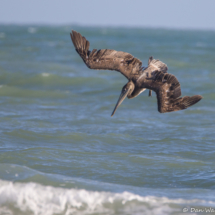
{"x": 168, "y": 92}
{"x": 106, "y": 59}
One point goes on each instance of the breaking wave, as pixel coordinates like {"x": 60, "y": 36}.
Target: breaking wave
{"x": 33, "y": 198}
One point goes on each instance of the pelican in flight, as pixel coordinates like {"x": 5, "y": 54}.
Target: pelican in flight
{"x": 154, "y": 77}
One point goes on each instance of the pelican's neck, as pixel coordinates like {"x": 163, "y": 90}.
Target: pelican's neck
{"x": 130, "y": 85}
{"x": 136, "y": 92}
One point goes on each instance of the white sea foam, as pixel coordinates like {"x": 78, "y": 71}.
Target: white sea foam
{"x": 32, "y": 30}
{"x": 44, "y": 74}
{"x": 2, "y": 35}
{"x": 51, "y": 44}
{"x": 32, "y": 198}
{"x": 200, "y": 44}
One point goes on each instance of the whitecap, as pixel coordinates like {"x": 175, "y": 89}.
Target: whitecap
{"x": 32, "y": 30}
{"x": 39, "y": 199}
{"x": 45, "y": 74}
{"x": 200, "y": 44}
{"x": 104, "y": 31}
{"x": 2, "y": 35}
{"x": 51, "y": 44}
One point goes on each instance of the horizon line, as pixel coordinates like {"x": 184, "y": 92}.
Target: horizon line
{"x": 106, "y": 26}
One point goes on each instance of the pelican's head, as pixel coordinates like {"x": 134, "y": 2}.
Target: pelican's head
{"x": 126, "y": 91}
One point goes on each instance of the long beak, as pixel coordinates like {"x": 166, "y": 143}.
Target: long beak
{"x": 120, "y": 100}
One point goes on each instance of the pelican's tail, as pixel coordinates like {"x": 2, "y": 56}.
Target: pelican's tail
{"x": 185, "y": 102}
{"x": 81, "y": 44}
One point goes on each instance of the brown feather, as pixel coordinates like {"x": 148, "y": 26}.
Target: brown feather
{"x": 168, "y": 91}
{"x": 156, "y": 65}
{"x": 106, "y": 59}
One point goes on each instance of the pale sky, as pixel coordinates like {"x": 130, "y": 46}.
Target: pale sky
{"x": 188, "y": 14}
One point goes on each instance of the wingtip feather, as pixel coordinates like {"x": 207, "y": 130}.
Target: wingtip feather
{"x": 80, "y": 43}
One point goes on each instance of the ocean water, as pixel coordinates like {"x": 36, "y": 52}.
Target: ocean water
{"x": 62, "y": 153}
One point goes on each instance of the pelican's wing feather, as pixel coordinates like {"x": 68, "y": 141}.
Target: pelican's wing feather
{"x": 157, "y": 65}
{"x": 106, "y": 59}
{"x": 168, "y": 91}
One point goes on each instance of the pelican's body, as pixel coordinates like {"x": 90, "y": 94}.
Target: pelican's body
{"x": 154, "y": 77}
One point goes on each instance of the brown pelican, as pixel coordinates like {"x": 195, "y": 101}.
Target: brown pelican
{"x": 154, "y": 77}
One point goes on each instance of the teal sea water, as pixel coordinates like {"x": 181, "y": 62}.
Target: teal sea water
{"x": 62, "y": 153}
